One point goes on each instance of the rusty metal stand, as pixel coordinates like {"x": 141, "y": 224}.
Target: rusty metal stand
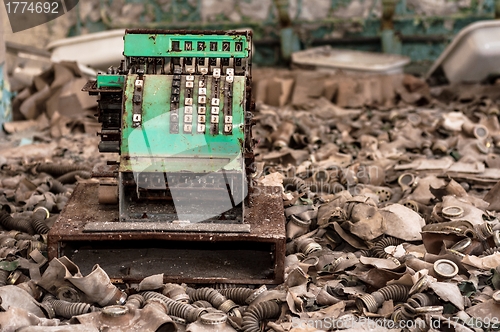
{"x": 129, "y": 255}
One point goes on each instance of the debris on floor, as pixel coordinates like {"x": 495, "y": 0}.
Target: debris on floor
{"x": 54, "y": 100}
{"x": 391, "y": 205}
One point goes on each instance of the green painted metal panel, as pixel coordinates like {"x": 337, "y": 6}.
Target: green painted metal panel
{"x": 110, "y": 81}
{"x": 186, "y": 45}
{"x": 153, "y": 148}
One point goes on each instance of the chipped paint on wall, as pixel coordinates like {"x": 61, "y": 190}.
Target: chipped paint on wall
{"x": 447, "y": 7}
{"x": 359, "y": 8}
{"x": 311, "y": 19}
{"x": 256, "y": 10}
{"x": 5, "y": 96}
{"x": 212, "y": 10}
{"x": 235, "y": 10}
{"x": 433, "y": 7}
{"x": 309, "y": 10}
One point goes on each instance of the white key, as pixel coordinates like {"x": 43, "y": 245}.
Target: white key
{"x": 202, "y": 91}
{"x": 229, "y": 75}
{"x": 215, "y": 110}
{"x": 188, "y": 118}
{"x": 215, "y": 101}
{"x": 214, "y": 119}
{"x": 188, "y": 101}
{"x": 216, "y": 73}
{"x": 201, "y": 119}
{"x": 188, "y": 109}
{"x": 139, "y": 83}
{"x": 136, "y": 118}
{"x": 228, "y": 119}
{"x": 201, "y": 84}
{"x": 201, "y": 128}
{"x": 202, "y": 110}
{"x": 188, "y": 127}
{"x": 189, "y": 84}
{"x": 228, "y": 128}
{"x": 190, "y": 78}
{"x": 202, "y": 99}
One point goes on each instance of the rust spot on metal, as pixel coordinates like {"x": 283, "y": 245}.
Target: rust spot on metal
{"x": 91, "y": 87}
{"x": 161, "y": 252}
{"x": 105, "y": 171}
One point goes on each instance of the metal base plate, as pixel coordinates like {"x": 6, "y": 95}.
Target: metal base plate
{"x": 137, "y": 226}
{"x": 256, "y": 257}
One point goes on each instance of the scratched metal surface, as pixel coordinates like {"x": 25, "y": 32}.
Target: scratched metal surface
{"x": 132, "y": 255}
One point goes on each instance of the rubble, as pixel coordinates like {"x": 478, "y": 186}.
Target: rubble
{"x": 389, "y": 219}
{"x": 53, "y": 100}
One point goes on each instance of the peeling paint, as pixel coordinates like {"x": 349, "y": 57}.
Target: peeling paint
{"x": 313, "y": 20}
{"x": 433, "y": 7}
{"x": 256, "y": 9}
{"x": 449, "y": 24}
{"x": 310, "y": 10}
{"x": 216, "y": 9}
{"x": 360, "y": 8}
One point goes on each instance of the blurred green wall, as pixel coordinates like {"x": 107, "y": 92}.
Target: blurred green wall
{"x": 424, "y": 27}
